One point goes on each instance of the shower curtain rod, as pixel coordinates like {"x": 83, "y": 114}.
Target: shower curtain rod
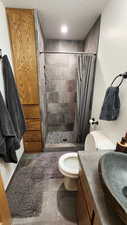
{"x": 74, "y": 53}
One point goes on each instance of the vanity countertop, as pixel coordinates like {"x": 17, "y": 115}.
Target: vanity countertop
{"x": 89, "y": 164}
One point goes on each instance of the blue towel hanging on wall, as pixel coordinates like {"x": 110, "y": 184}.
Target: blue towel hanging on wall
{"x": 111, "y": 105}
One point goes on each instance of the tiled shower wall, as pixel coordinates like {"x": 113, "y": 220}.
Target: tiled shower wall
{"x": 60, "y": 74}
{"x": 92, "y": 39}
{"x": 41, "y": 77}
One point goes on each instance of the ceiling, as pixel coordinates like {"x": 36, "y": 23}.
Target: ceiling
{"x": 78, "y": 15}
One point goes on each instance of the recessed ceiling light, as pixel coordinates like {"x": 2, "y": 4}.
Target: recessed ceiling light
{"x": 64, "y": 29}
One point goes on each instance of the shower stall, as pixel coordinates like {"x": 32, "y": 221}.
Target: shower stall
{"x": 60, "y": 72}
{"x": 69, "y": 78}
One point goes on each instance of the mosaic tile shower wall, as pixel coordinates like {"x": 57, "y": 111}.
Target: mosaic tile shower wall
{"x": 60, "y": 74}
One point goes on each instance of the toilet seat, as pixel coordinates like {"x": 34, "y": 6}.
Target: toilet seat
{"x": 69, "y": 165}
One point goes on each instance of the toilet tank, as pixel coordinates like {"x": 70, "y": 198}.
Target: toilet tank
{"x": 97, "y": 141}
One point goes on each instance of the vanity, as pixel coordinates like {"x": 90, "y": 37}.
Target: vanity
{"x": 92, "y": 207}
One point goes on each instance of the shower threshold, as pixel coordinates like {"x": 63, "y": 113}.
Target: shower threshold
{"x": 63, "y": 147}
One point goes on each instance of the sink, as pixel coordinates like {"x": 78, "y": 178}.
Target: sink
{"x": 113, "y": 174}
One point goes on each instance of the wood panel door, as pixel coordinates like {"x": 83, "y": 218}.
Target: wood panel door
{"x": 22, "y": 33}
{"x": 5, "y": 216}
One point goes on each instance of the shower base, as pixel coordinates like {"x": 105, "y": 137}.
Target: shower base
{"x": 58, "y": 137}
{"x": 62, "y": 141}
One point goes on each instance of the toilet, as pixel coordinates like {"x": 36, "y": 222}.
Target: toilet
{"x": 69, "y": 167}
{"x": 69, "y": 164}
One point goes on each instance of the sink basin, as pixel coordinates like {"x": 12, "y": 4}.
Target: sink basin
{"x": 113, "y": 173}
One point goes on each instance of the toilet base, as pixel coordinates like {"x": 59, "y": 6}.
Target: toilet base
{"x": 71, "y": 184}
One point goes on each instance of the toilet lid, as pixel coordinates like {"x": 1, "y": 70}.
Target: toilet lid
{"x": 69, "y": 163}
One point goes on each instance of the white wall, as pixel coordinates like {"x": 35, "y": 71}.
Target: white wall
{"x": 6, "y": 169}
{"x": 112, "y": 60}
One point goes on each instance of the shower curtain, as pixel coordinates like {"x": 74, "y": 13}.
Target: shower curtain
{"x": 85, "y": 81}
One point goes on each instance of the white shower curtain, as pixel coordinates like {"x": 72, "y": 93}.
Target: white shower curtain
{"x": 85, "y": 81}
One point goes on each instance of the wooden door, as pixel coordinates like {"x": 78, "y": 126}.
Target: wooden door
{"x": 22, "y": 33}
{"x": 5, "y": 216}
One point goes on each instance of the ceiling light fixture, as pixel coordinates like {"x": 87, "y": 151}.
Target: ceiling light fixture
{"x": 64, "y": 29}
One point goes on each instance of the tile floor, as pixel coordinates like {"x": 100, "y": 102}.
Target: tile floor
{"x": 58, "y": 206}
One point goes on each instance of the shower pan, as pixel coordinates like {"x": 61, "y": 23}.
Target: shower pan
{"x": 63, "y": 137}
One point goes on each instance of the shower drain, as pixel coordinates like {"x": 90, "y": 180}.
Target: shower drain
{"x": 64, "y": 139}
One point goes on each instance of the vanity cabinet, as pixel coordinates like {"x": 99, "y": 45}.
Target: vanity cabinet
{"x": 23, "y": 35}
{"x": 82, "y": 211}
{"x": 96, "y": 220}
{"x": 86, "y": 211}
